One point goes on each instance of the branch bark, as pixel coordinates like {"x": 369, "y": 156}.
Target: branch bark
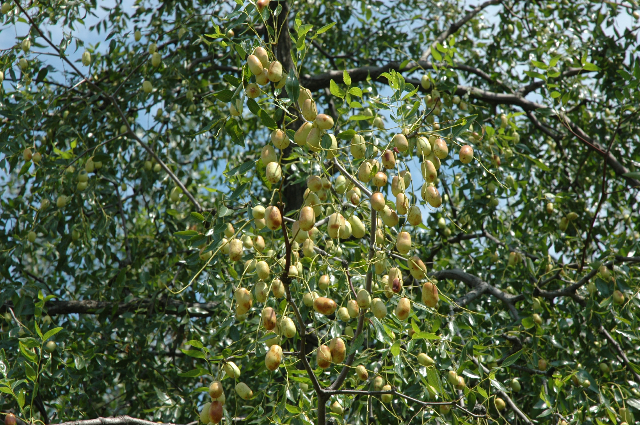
{"x": 479, "y": 287}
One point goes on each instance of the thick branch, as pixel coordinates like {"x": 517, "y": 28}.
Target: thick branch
{"x": 479, "y": 287}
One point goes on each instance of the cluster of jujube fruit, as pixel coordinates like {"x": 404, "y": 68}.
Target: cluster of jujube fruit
{"x": 330, "y": 197}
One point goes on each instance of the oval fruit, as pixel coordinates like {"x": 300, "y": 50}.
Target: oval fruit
{"x": 363, "y": 298}
{"x": 403, "y": 309}
{"x": 273, "y": 357}
{"x": 362, "y": 373}
{"x": 425, "y": 360}
{"x": 269, "y": 319}
{"x": 338, "y": 350}
{"x": 430, "y": 296}
{"x": 323, "y": 357}
{"x": 466, "y": 154}
{"x": 324, "y": 305}
{"x": 216, "y": 412}
{"x": 273, "y": 218}
{"x": 244, "y": 391}
{"x": 215, "y": 389}
{"x": 379, "y": 308}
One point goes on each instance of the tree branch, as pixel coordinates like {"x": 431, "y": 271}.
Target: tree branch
{"x": 180, "y": 308}
{"x": 347, "y": 364}
{"x": 479, "y": 287}
{"x": 621, "y": 353}
{"x": 406, "y": 397}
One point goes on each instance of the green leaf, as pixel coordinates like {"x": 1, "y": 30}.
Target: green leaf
{"x": 632, "y": 175}
{"x": 527, "y": 322}
{"x": 425, "y": 335}
{"x": 234, "y": 131}
{"x": 325, "y": 28}
{"x": 38, "y": 331}
{"x": 355, "y": 91}
{"x": 346, "y": 135}
{"x": 197, "y": 216}
{"x": 335, "y": 90}
{"x": 395, "y": 348}
{"x": 240, "y": 190}
{"x": 360, "y": 117}
{"x": 538, "y": 163}
{"x": 511, "y": 359}
{"x": 194, "y": 373}
{"x": 31, "y": 374}
{"x": 253, "y": 106}
{"x": 224, "y": 95}
{"x": 356, "y": 344}
{"x": 50, "y": 333}
{"x": 292, "y": 86}
{"x": 534, "y": 74}
{"x": 554, "y": 61}
{"x": 29, "y": 354}
{"x": 555, "y": 94}
{"x": 293, "y": 409}
{"x": 540, "y": 65}
{"x": 241, "y": 169}
{"x": 326, "y": 142}
{"x": 193, "y": 353}
{"x": 186, "y": 234}
{"x": 346, "y": 77}
{"x": 590, "y": 67}
{"x": 267, "y": 120}
{"x": 436, "y": 55}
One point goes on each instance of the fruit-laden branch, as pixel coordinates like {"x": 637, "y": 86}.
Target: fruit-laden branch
{"x": 621, "y": 353}
{"x": 457, "y": 25}
{"x": 321, "y": 81}
{"x": 406, "y": 397}
{"x": 113, "y": 101}
{"x": 479, "y": 287}
{"x": 167, "y": 306}
{"x": 286, "y": 281}
{"x": 368, "y": 283}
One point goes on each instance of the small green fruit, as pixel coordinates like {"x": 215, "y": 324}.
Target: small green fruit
{"x": 31, "y": 237}
{"x": 50, "y": 346}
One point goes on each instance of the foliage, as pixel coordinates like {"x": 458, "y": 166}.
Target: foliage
{"x": 125, "y": 161}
